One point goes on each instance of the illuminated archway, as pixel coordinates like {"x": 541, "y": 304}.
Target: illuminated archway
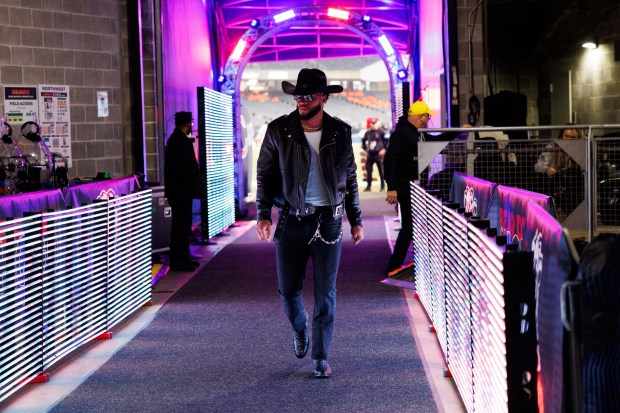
{"x": 263, "y": 29}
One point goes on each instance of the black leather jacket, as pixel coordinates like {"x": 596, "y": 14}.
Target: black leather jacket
{"x": 181, "y": 170}
{"x": 400, "y": 164}
{"x": 284, "y": 163}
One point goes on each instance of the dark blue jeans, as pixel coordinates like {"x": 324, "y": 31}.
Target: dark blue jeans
{"x": 294, "y": 246}
{"x": 403, "y": 241}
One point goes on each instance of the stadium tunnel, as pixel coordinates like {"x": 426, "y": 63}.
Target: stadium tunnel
{"x": 229, "y": 35}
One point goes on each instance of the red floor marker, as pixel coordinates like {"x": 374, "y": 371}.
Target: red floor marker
{"x": 431, "y": 328}
{"x": 447, "y": 372}
{"x": 41, "y": 378}
{"x": 104, "y": 336}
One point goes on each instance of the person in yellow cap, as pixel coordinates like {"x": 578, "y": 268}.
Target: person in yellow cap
{"x": 400, "y": 167}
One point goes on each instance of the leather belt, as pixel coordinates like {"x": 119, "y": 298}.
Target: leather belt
{"x": 308, "y": 210}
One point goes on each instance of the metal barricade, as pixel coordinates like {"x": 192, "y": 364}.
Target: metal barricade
{"x": 67, "y": 277}
{"x": 584, "y": 180}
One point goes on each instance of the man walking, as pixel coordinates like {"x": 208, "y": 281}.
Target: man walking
{"x": 306, "y": 169}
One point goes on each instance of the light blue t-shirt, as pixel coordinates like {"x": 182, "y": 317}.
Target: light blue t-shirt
{"x": 316, "y": 192}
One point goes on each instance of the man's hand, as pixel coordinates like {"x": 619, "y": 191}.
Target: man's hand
{"x": 391, "y": 197}
{"x": 357, "y": 234}
{"x": 263, "y": 229}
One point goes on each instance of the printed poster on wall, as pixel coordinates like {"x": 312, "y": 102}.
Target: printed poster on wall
{"x": 20, "y": 105}
{"x": 54, "y": 119}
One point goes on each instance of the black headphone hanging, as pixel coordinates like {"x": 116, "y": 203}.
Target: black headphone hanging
{"x": 474, "y": 110}
{"x": 7, "y": 138}
{"x": 32, "y": 136}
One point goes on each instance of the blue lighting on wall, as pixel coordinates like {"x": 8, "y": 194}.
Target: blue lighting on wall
{"x": 217, "y": 161}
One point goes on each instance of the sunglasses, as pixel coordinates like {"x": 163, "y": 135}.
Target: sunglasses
{"x": 307, "y": 98}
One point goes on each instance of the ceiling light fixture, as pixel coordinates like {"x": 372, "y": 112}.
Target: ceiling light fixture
{"x": 590, "y": 44}
{"x": 236, "y": 54}
{"x": 289, "y": 14}
{"x": 385, "y": 43}
{"x": 590, "y": 40}
{"x": 338, "y": 14}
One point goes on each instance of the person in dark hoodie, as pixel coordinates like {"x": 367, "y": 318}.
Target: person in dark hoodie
{"x": 400, "y": 166}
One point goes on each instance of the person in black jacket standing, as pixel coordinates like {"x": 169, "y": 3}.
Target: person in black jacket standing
{"x": 400, "y": 167}
{"x": 182, "y": 185}
{"x": 307, "y": 170}
{"x": 374, "y": 144}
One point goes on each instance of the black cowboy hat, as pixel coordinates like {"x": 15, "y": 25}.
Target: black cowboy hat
{"x": 310, "y": 81}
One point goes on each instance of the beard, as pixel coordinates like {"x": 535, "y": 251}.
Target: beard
{"x": 311, "y": 113}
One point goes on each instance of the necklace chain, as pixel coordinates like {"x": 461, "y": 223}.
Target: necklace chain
{"x": 311, "y": 128}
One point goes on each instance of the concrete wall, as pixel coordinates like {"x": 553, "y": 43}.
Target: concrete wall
{"x": 149, "y": 132}
{"x": 471, "y": 67}
{"x": 75, "y": 43}
{"x": 593, "y": 75}
{"x": 596, "y": 75}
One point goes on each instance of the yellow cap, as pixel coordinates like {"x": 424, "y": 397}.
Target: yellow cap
{"x": 419, "y": 108}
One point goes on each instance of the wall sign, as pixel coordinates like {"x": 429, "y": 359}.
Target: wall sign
{"x": 54, "y": 119}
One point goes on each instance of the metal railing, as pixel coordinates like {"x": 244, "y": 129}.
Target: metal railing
{"x": 585, "y": 187}
{"x": 66, "y": 277}
{"x": 476, "y": 291}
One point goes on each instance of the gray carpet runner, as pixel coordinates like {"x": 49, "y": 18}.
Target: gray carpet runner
{"x": 223, "y": 344}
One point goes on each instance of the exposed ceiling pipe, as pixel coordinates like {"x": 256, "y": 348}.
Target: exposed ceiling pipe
{"x": 470, "y": 30}
{"x": 473, "y": 103}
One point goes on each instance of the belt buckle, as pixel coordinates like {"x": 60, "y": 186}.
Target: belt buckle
{"x": 309, "y": 209}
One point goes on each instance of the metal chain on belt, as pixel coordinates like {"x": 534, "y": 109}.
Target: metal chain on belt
{"x": 317, "y": 234}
